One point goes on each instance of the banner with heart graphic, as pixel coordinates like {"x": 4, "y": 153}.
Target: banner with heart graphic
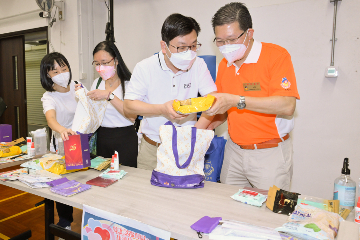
{"x": 101, "y": 225}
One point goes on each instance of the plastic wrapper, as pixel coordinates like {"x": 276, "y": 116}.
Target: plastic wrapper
{"x": 285, "y": 202}
{"x": 35, "y": 163}
{"x": 328, "y": 205}
{"x": 231, "y": 230}
{"x": 100, "y": 163}
{"x": 193, "y": 105}
{"x": 344, "y": 212}
{"x": 117, "y": 174}
{"x": 285, "y": 236}
{"x": 13, "y": 174}
{"x": 57, "y": 166}
{"x": 311, "y": 223}
{"x": 271, "y": 197}
{"x": 249, "y": 197}
{"x": 50, "y": 162}
{"x": 9, "y": 151}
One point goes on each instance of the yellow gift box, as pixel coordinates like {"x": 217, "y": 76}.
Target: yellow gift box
{"x": 193, "y": 105}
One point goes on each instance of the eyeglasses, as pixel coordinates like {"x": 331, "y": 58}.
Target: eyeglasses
{"x": 194, "y": 47}
{"x": 95, "y": 64}
{"x": 228, "y": 41}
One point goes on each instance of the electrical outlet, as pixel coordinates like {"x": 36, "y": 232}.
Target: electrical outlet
{"x": 331, "y": 72}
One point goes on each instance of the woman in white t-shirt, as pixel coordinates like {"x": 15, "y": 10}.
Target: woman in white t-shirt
{"x": 59, "y": 101}
{"x": 59, "y": 105}
{"x": 116, "y": 133}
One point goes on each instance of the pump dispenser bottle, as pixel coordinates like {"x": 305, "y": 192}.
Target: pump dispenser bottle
{"x": 345, "y": 188}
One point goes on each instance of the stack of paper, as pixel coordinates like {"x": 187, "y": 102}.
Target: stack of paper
{"x": 117, "y": 174}
{"x": 15, "y": 158}
{"x": 13, "y": 174}
{"x": 38, "y": 178}
{"x": 100, "y": 163}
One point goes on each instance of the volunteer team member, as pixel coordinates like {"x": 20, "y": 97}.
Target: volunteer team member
{"x": 116, "y": 133}
{"x": 173, "y": 73}
{"x": 59, "y": 105}
{"x": 257, "y": 95}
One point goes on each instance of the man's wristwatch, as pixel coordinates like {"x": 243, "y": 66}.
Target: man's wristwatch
{"x": 241, "y": 104}
{"x": 111, "y": 97}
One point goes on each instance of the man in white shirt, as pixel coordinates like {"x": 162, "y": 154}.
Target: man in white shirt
{"x": 173, "y": 73}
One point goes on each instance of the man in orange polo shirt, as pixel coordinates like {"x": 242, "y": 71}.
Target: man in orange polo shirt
{"x": 257, "y": 95}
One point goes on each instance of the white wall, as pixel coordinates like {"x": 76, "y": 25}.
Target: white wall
{"x": 19, "y": 15}
{"x": 327, "y": 115}
{"x": 92, "y": 17}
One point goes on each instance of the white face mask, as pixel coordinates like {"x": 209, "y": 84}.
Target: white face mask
{"x": 62, "y": 79}
{"x": 233, "y": 52}
{"x": 182, "y": 60}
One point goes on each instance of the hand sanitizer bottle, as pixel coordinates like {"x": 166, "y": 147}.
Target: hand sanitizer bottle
{"x": 345, "y": 188}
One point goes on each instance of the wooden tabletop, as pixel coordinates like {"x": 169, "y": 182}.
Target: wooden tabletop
{"x": 173, "y": 210}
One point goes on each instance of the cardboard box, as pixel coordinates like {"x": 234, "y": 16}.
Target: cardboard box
{"x": 77, "y": 152}
{"x": 5, "y": 133}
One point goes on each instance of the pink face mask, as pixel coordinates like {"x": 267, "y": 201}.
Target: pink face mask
{"x": 106, "y": 72}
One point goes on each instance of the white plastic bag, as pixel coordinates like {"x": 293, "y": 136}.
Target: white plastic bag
{"x": 89, "y": 113}
{"x": 234, "y": 230}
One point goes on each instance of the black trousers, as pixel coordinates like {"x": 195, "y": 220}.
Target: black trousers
{"x": 124, "y": 140}
{"x": 65, "y": 213}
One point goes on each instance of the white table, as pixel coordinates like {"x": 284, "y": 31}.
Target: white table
{"x": 173, "y": 210}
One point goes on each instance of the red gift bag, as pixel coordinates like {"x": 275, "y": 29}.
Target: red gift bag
{"x": 77, "y": 152}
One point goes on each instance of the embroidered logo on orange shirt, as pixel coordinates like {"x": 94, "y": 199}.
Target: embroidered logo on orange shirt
{"x": 285, "y": 83}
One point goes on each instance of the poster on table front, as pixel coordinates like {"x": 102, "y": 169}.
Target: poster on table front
{"x": 101, "y": 225}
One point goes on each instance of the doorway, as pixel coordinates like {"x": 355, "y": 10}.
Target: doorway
{"x": 35, "y": 50}
{"x": 20, "y": 56}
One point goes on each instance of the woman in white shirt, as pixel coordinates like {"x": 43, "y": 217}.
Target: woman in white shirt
{"x": 59, "y": 105}
{"x": 59, "y": 101}
{"x": 116, "y": 133}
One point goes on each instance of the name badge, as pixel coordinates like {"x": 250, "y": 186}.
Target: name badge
{"x": 255, "y": 86}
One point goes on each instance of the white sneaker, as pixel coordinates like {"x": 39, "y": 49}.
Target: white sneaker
{"x": 68, "y": 228}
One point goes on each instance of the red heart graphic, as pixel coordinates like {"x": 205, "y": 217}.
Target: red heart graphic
{"x": 105, "y": 235}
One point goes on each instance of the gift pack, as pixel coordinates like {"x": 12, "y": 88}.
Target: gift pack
{"x": 5, "y": 133}
{"x": 77, "y": 152}
{"x": 180, "y": 157}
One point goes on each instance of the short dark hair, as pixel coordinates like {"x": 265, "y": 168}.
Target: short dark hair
{"x": 178, "y": 25}
{"x": 230, "y": 13}
{"x": 121, "y": 70}
{"x": 48, "y": 64}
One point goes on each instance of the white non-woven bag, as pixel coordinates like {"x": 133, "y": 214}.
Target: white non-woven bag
{"x": 89, "y": 113}
{"x": 180, "y": 157}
